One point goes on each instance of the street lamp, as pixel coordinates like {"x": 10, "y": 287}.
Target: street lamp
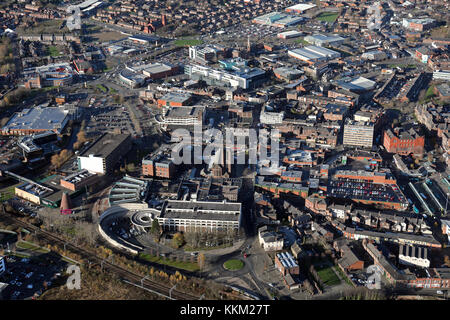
{"x": 170, "y": 291}
{"x": 143, "y": 279}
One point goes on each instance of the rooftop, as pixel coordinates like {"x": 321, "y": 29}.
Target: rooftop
{"x": 105, "y": 145}
{"x": 38, "y": 118}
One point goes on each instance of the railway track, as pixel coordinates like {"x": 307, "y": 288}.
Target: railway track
{"x": 125, "y": 274}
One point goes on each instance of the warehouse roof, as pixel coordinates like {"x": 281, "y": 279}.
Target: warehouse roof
{"x": 105, "y": 145}
{"x": 359, "y": 84}
{"x": 300, "y": 7}
{"x": 38, "y": 118}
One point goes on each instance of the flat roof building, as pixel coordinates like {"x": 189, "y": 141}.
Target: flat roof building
{"x": 78, "y": 180}
{"x": 300, "y": 7}
{"x": 321, "y": 40}
{"x": 182, "y": 116}
{"x": 289, "y": 34}
{"x": 312, "y": 54}
{"x": 358, "y": 84}
{"x": 104, "y": 153}
{"x": 35, "y": 120}
{"x": 175, "y": 99}
{"x": 195, "y": 216}
{"x": 278, "y": 19}
{"x": 159, "y": 164}
{"x": 358, "y": 134}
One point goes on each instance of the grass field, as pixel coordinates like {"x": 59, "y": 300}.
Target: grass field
{"x": 343, "y": 276}
{"x": 189, "y": 266}
{"x": 327, "y": 275}
{"x": 31, "y": 247}
{"x": 328, "y": 16}
{"x": 233, "y": 265}
{"x": 102, "y": 88}
{"x": 8, "y": 192}
{"x": 187, "y": 42}
{"x": 53, "y": 51}
{"x": 45, "y": 26}
{"x": 430, "y": 93}
{"x": 188, "y": 248}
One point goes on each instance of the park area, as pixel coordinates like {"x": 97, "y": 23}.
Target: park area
{"x": 187, "y": 42}
{"x": 327, "y": 275}
{"x": 328, "y": 16}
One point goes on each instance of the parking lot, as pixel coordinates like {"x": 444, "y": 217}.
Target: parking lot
{"x": 241, "y": 32}
{"x": 29, "y": 277}
{"x": 106, "y": 119}
{"x": 346, "y": 188}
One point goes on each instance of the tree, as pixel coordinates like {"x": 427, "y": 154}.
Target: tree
{"x": 81, "y": 136}
{"x": 447, "y": 261}
{"x": 156, "y": 228}
{"x": 201, "y": 261}
{"x": 130, "y": 167}
{"x": 178, "y": 240}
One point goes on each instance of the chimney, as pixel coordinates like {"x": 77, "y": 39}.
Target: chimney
{"x": 65, "y": 203}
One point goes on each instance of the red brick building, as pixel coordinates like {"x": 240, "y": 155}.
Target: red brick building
{"x": 404, "y": 142}
{"x": 286, "y": 264}
{"x": 158, "y": 165}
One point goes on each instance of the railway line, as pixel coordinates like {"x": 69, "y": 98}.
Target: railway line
{"x": 123, "y": 273}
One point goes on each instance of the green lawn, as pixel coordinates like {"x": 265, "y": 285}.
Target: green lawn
{"x": 102, "y": 88}
{"x": 8, "y": 192}
{"x": 339, "y": 270}
{"x": 327, "y": 276}
{"x": 187, "y": 42}
{"x": 188, "y": 248}
{"x": 189, "y": 266}
{"x": 328, "y": 16}
{"x": 233, "y": 264}
{"x": 31, "y": 247}
{"x": 53, "y": 51}
{"x": 430, "y": 93}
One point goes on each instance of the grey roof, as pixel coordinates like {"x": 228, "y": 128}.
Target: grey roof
{"x": 105, "y": 145}
{"x": 38, "y": 118}
{"x": 202, "y": 210}
{"x": 176, "y": 97}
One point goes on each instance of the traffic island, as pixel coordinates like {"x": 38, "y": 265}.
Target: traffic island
{"x": 233, "y": 265}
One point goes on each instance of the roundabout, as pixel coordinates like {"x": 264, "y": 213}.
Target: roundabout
{"x": 233, "y": 265}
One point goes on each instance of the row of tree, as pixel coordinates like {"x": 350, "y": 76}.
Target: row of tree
{"x": 58, "y": 159}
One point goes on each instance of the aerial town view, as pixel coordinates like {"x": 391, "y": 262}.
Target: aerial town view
{"x": 224, "y": 150}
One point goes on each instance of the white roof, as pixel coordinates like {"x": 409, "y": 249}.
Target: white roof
{"x": 301, "y": 6}
{"x": 289, "y": 33}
